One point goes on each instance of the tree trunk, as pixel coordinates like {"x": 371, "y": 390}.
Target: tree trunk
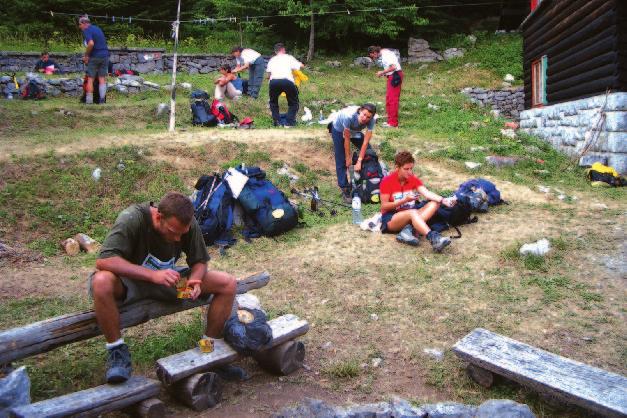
{"x": 312, "y": 32}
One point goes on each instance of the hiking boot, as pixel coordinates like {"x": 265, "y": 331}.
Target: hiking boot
{"x": 387, "y": 125}
{"x": 346, "y": 196}
{"x": 118, "y": 364}
{"x": 438, "y": 242}
{"x": 406, "y": 236}
{"x": 232, "y": 373}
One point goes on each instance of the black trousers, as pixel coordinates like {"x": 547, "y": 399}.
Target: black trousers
{"x": 277, "y": 87}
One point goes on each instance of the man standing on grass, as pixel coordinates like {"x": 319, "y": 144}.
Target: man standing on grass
{"x": 252, "y": 60}
{"x": 138, "y": 260}
{"x": 96, "y": 58}
{"x": 392, "y": 70}
{"x": 280, "y": 69}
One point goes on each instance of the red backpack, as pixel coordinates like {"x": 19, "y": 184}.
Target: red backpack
{"x": 222, "y": 113}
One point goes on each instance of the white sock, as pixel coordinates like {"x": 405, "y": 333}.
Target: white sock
{"x": 114, "y": 344}
{"x": 102, "y": 89}
{"x": 89, "y": 98}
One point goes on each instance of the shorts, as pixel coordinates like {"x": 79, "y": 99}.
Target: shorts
{"x": 139, "y": 289}
{"x": 97, "y": 66}
{"x": 385, "y": 218}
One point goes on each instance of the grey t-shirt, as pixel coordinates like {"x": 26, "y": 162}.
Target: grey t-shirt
{"x": 133, "y": 238}
{"x": 347, "y": 119}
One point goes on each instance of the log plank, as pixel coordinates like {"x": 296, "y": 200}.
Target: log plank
{"x": 568, "y": 380}
{"x": 92, "y": 402}
{"x": 178, "y": 366}
{"x": 40, "y": 337}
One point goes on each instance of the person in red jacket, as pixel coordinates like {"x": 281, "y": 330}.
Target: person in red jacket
{"x": 401, "y": 211}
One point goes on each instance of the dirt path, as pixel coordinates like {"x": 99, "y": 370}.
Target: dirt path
{"x": 165, "y": 139}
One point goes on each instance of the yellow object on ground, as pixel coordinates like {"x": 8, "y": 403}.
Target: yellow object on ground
{"x": 299, "y": 77}
{"x": 604, "y": 169}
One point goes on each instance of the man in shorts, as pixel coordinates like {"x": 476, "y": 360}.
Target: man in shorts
{"x": 138, "y": 261}
{"x": 96, "y": 58}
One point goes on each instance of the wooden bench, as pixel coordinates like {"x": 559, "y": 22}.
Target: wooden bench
{"x": 566, "y": 380}
{"x": 40, "y": 337}
{"x": 189, "y": 380}
{"x": 99, "y": 400}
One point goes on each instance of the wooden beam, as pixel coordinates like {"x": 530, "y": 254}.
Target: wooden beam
{"x": 92, "y": 402}
{"x": 43, "y": 336}
{"x": 150, "y": 408}
{"x": 178, "y": 366}
{"x": 282, "y": 360}
{"x": 568, "y": 380}
{"x": 199, "y": 391}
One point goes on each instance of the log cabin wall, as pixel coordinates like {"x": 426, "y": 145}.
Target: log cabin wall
{"x": 585, "y": 44}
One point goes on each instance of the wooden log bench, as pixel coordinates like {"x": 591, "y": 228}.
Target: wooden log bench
{"x": 567, "y": 380}
{"x": 137, "y": 392}
{"x": 40, "y": 337}
{"x": 188, "y": 377}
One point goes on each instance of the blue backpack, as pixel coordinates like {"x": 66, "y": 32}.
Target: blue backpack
{"x": 471, "y": 190}
{"x": 213, "y": 207}
{"x": 267, "y": 210}
{"x": 201, "y": 109}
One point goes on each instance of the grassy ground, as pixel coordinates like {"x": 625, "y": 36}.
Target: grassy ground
{"x": 364, "y": 295}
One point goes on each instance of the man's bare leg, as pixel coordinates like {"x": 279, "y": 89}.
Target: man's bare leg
{"x": 223, "y": 286}
{"x": 106, "y": 288}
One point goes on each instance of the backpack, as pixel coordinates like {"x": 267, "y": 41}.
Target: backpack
{"x": 445, "y": 217}
{"x": 266, "y": 208}
{"x": 199, "y": 105}
{"x": 370, "y": 176}
{"x": 222, "y": 113}
{"x": 599, "y": 174}
{"x": 213, "y": 210}
{"x": 479, "y": 201}
{"x": 33, "y": 91}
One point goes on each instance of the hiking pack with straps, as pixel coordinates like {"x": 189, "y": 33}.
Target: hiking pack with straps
{"x": 600, "y": 174}
{"x": 267, "y": 210}
{"x": 458, "y": 215}
{"x": 481, "y": 193}
{"x": 370, "y": 176}
{"x": 213, "y": 209}
{"x": 201, "y": 111}
{"x": 222, "y": 113}
{"x": 33, "y": 91}
{"x": 95, "y": 90}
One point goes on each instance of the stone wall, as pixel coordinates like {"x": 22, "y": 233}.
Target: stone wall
{"x": 572, "y": 126}
{"x": 142, "y": 60}
{"x": 73, "y": 87}
{"x": 509, "y": 102}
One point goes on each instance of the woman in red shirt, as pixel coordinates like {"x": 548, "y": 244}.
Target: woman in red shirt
{"x": 400, "y": 210}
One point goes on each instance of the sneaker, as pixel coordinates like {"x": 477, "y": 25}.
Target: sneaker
{"x": 438, "y": 242}
{"x": 118, "y": 364}
{"x": 387, "y": 125}
{"x": 232, "y": 373}
{"x": 406, "y": 236}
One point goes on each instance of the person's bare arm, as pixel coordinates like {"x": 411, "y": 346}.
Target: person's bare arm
{"x": 387, "y": 206}
{"x": 90, "y": 46}
{"x": 386, "y": 70}
{"x": 121, "y": 267}
{"x": 429, "y": 195}
{"x": 239, "y": 68}
{"x": 195, "y": 278}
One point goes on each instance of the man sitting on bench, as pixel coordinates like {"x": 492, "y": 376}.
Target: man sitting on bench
{"x": 137, "y": 261}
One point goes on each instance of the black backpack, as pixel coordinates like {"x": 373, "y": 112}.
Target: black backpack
{"x": 96, "y": 90}
{"x": 201, "y": 110}
{"x": 33, "y": 91}
{"x": 456, "y": 216}
{"x": 370, "y": 176}
{"x": 213, "y": 210}
{"x": 267, "y": 209}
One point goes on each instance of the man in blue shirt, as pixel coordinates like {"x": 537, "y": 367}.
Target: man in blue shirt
{"x": 346, "y": 129}
{"x": 96, "y": 58}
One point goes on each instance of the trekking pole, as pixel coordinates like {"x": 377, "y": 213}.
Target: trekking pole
{"x": 313, "y": 195}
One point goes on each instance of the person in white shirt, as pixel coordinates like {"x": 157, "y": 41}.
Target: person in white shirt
{"x": 252, "y": 60}
{"x": 280, "y": 69}
{"x": 392, "y": 70}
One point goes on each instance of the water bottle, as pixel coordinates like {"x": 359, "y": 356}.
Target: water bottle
{"x": 321, "y": 117}
{"x": 356, "y": 210}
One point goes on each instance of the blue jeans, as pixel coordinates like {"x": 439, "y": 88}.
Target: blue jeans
{"x": 255, "y": 76}
{"x": 340, "y": 156}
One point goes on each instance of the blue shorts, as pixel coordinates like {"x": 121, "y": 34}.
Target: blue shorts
{"x": 387, "y": 217}
{"x": 97, "y": 67}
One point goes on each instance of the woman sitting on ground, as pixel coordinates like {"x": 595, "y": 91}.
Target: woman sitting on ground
{"x": 224, "y": 85}
{"x": 400, "y": 191}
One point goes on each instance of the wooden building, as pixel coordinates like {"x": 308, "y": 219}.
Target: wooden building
{"x": 575, "y": 66}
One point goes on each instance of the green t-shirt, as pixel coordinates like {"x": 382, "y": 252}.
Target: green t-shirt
{"x": 134, "y": 238}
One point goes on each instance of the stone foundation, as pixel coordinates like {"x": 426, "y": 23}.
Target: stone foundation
{"x": 508, "y": 102}
{"x": 571, "y": 126}
{"x": 142, "y": 60}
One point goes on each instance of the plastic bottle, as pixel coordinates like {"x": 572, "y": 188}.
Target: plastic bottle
{"x": 321, "y": 117}
{"x": 356, "y": 210}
